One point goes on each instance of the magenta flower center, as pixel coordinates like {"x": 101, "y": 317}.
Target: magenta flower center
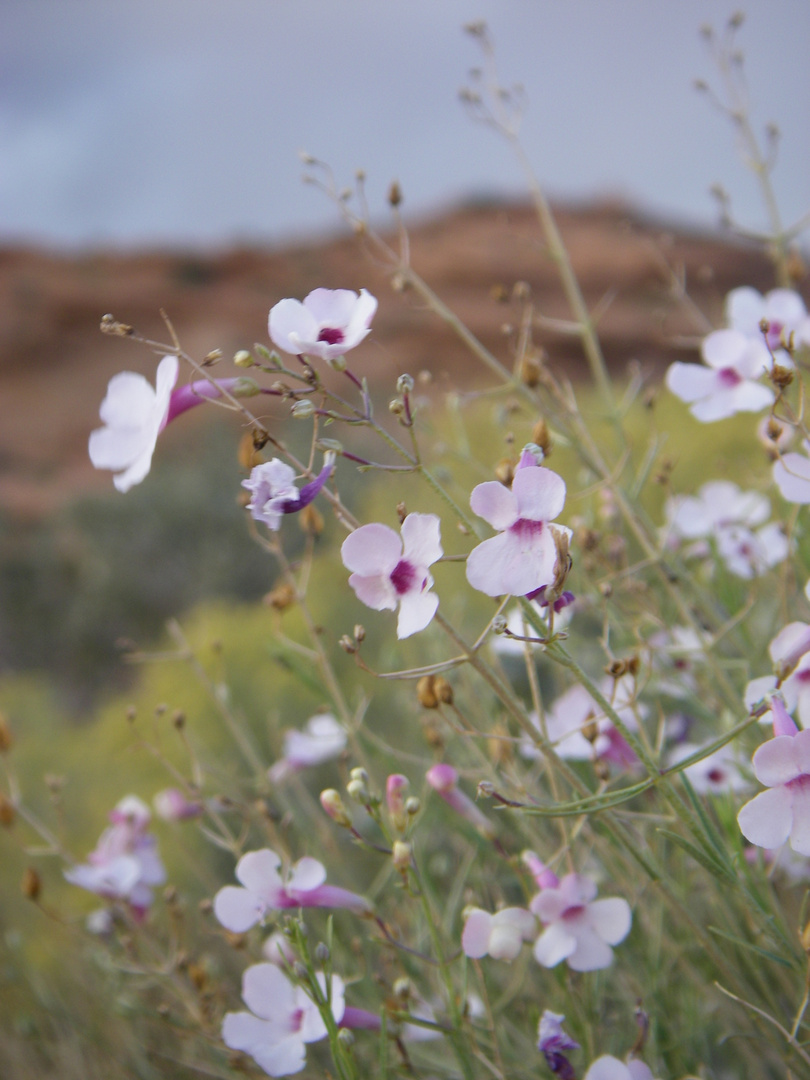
{"x": 715, "y": 775}
{"x": 331, "y": 335}
{"x": 729, "y": 378}
{"x": 773, "y": 335}
{"x": 573, "y": 912}
{"x": 403, "y": 577}
{"x": 526, "y": 529}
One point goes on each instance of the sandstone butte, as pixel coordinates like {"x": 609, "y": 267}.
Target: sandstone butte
{"x": 55, "y": 364}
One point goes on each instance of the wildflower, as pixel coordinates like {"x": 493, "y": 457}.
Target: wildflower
{"x": 443, "y": 779}
{"x": 273, "y": 490}
{"x": 576, "y": 712}
{"x": 327, "y": 324}
{"x": 522, "y": 557}
{"x": 791, "y": 474}
{"x": 322, "y": 739}
{"x": 783, "y": 812}
{"x": 500, "y": 935}
{"x": 265, "y": 890}
{"x": 579, "y": 928}
{"x": 172, "y": 805}
{"x": 790, "y": 653}
{"x": 782, "y": 309}
{"x": 608, "y": 1067}
{"x": 552, "y": 1041}
{"x": 725, "y": 385}
{"x": 134, "y": 414}
{"x": 716, "y": 774}
{"x": 281, "y": 1021}
{"x": 724, "y": 513}
{"x": 387, "y": 571}
{"x": 125, "y": 864}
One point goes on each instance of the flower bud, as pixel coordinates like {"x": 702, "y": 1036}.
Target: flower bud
{"x": 321, "y": 952}
{"x": 401, "y": 855}
{"x": 402, "y": 988}
{"x": 358, "y": 791}
{"x": 303, "y": 409}
{"x": 336, "y": 363}
{"x": 335, "y": 808}
{"x": 405, "y": 384}
{"x": 412, "y": 806}
{"x": 345, "y": 1037}
{"x": 243, "y": 359}
{"x": 396, "y": 790}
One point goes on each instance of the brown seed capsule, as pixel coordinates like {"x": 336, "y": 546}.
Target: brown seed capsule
{"x": 402, "y": 512}
{"x": 426, "y": 693}
{"x": 7, "y": 812}
{"x": 781, "y": 377}
{"x": 179, "y": 719}
{"x": 31, "y": 884}
{"x": 282, "y": 597}
{"x": 529, "y": 369}
{"x": 311, "y": 520}
{"x": 6, "y": 734}
{"x": 394, "y": 194}
{"x": 541, "y": 436}
{"x": 248, "y": 453}
{"x": 505, "y": 471}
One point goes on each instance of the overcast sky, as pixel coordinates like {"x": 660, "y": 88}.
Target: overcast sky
{"x": 141, "y": 122}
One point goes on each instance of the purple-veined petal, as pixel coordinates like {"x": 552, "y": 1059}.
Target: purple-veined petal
{"x": 416, "y": 609}
{"x": 611, "y": 918}
{"x": 553, "y": 945}
{"x": 791, "y": 474}
{"x": 540, "y": 493}
{"x": 258, "y": 872}
{"x": 800, "y": 832}
{"x": 475, "y": 936}
{"x": 238, "y": 909}
{"x": 592, "y": 952}
{"x": 269, "y": 994}
{"x": 307, "y": 874}
{"x": 777, "y": 760}
{"x": 290, "y": 318}
{"x": 371, "y": 549}
{"x": 421, "y": 539}
{"x": 767, "y": 820}
{"x": 495, "y": 504}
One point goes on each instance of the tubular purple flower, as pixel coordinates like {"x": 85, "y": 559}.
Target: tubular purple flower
{"x": 273, "y": 490}
{"x": 552, "y": 1041}
{"x": 443, "y": 779}
{"x": 545, "y": 878}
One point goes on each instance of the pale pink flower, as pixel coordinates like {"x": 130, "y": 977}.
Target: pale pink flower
{"x": 125, "y": 864}
{"x": 552, "y": 1041}
{"x": 716, "y": 774}
{"x": 282, "y": 1019}
{"x": 521, "y": 559}
{"x": 783, "y": 812}
{"x": 322, "y": 739}
{"x": 388, "y": 571}
{"x": 575, "y": 710}
{"x": 782, "y": 309}
{"x": 327, "y": 324}
{"x": 608, "y": 1067}
{"x": 724, "y": 384}
{"x": 264, "y": 889}
{"x": 273, "y": 490}
{"x": 790, "y": 653}
{"x": 579, "y": 928}
{"x": 134, "y": 414}
{"x": 500, "y": 935}
{"x": 791, "y": 474}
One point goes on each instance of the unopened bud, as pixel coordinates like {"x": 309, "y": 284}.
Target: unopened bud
{"x": 321, "y": 953}
{"x": 302, "y": 410}
{"x": 335, "y": 807}
{"x": 359, "y": 633}
{"x": 345, "y": 1037}
{"x": 405, "y": 384}
{"x": 212, "y": 358}
{"x": 243, "y": 359}
{"x": 336, "y": 363}
{"x": 396, "y": 407}
{"x": 358, "y": 791}
{"x": 412, "y": 806}
{"x": 402, "y": 988}
{"x": 401, "y": 855}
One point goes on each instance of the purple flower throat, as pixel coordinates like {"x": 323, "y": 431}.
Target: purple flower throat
{"x": 332, "y": 336}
